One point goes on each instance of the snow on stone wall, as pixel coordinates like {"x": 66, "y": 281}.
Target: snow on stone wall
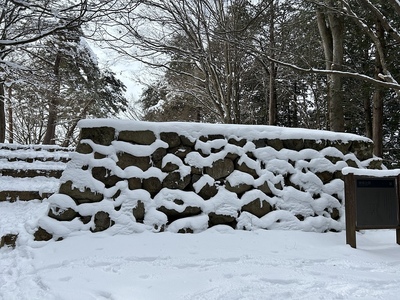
{"x": 129, "y": 176}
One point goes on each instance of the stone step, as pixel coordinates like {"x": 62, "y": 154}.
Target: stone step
{"x": 31, "y": 173}
{"x": 47, "y": 148}
{"x": 26, "y": 188}
{"x": 31, "y": 157}
{"x": 35, "y": 159}
{"x": 33, "y": 153}
{"x": 12, "y": 196}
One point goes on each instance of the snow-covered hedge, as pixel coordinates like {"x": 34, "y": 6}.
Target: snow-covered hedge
{"x": 129, "y": 176}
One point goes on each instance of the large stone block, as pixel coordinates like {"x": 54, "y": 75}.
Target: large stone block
{"x": 104, "y": 175}
{"x": 12, "y": 196}
{"x": 257, "y": 207}
{"x": 220, "y": 168}
{"x": 126, "y": 160}
{"x": 315, "y": 145}
{"x": 42, "y": 235}
{"x": 84, "y": 148}
{"x": 85, "y": 196}
{"x": 173, "y": 214}
{"x": 218, "y": 219}
{"x": 181, "y": 151}
{"x": 239, "y": 143}
{"x": 102, "y": 221}
{"x": 158, "y": 155}
{"x": 264, "y": 187}
{"x": 142, "y": 137}
{"x": 325, "y": 176}
{"x": 294, "y": 144}
{"x": 152, "y": 184}
{"x": 134, "y": 183}
{"x": 62, "y": 214}
{"x": 238, "y": 189}
{"x": 261, "y": 143}
{"x": 207, "y": 191}
{"x": 175, "y": 181}
{"x": 375, "y": 164}
{"x": 243, "y": 167}
{"x": 187, "y": 142}
{"x": 171, "y": 138}
{"x": 169, "y": 167}
{"x": 99, "y": 135}
{"x": 139, "y": 211}
{"x": 277, "y": 144}
{"x": 343, "y": 147}
{"x": 362, "y": 150}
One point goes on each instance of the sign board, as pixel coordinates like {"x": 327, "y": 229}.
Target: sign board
{"x": 371, "y": 202}
{"x": 377, "y": 203}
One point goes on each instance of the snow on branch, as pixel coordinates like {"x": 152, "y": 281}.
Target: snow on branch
{"x": 390, "y": 83}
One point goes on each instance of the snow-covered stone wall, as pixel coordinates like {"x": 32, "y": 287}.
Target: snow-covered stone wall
{"x": 131, "y": 176}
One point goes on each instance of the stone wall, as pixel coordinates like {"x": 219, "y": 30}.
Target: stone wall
{"x": 184, "y": 177}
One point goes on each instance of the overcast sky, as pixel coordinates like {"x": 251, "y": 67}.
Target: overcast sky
{"x": 130, "y": 72}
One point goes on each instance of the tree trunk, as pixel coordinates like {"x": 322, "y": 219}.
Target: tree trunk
{"x": 326, "y": 37}
{"x": 49, "y": 137}
{"x": 68, "y": 136}
{"x": 2, "y": 113}
{"x": 377, "y": 132}
{"x": 377, "y": 126}
{"x": 10, "y": 117}
{"x": 368, "y": 117}
{"x": 332, "y": 39}
{"x": 294, "y": 122}
{"x": 272, "y": 109}
{"x": 82, "y": 115}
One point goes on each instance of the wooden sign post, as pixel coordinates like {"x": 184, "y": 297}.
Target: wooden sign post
{"x": 371, "y": 202}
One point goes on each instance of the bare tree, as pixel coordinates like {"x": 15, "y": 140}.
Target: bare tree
{"x": 201, "y": 34}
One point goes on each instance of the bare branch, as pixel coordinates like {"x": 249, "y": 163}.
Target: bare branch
{"x": 378, "y": 83}
{"x": 382, "y": 19}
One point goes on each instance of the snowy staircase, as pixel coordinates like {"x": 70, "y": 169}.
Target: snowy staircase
{"x": 30, "y": 171}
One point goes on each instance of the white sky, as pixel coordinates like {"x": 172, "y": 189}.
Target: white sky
{"x": 130, "y": 72}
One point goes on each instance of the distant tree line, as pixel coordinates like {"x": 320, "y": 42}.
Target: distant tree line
{"x": 323, "y": 64}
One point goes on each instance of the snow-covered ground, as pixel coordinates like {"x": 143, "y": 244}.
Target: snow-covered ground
{"x": 219, "y": 263}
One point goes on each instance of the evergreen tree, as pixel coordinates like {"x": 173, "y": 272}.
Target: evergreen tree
{"x": 68, "y": 86}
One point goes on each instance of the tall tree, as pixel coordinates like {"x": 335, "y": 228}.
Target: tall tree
{"x": 379, "y": 29}
{"x": 25, "y": 22}
{"x": 331, "y": 28}
{"x": 67, "y": 85}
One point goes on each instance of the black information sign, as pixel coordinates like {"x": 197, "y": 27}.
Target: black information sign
{"x": 377, "y": 203}
{"x": 371, "y": 202}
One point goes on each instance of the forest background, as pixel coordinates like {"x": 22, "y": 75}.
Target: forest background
{"x": 322, "y": 64}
